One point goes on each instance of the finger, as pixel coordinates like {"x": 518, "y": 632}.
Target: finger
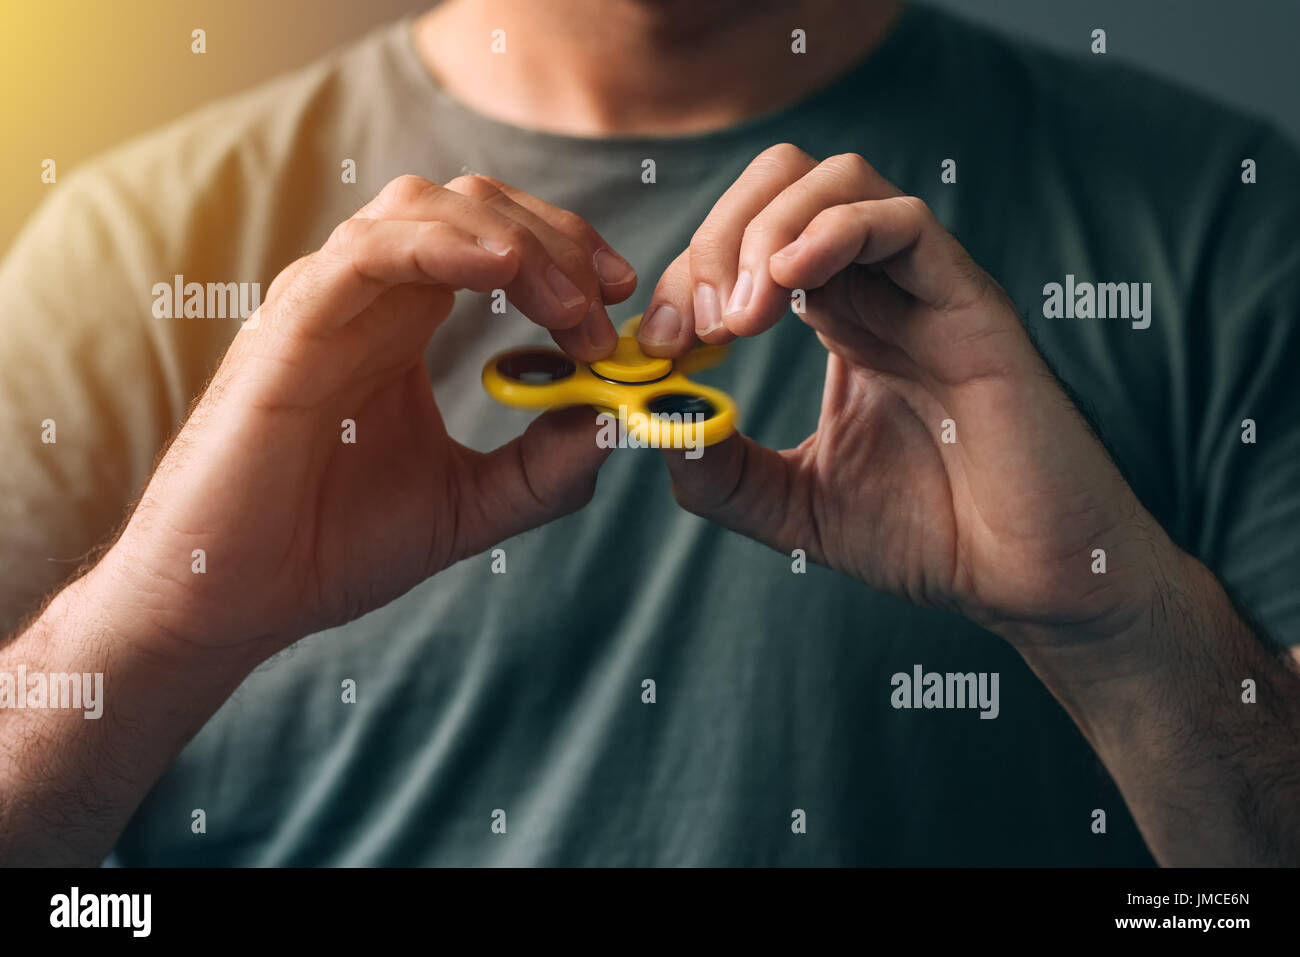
{"x": 617, "y": 277}
{"x": 548, "y": 291}
{"x": 901, "y": 234}
{"x": 923, "y": 311}
{"x": 829, "y": 311}
{"x": 925, "y": 295}
{"x": 715, "y": 246}
{"x": 838, "y": 180}
{"x": 664, "y": 329}
{"x": 594, "y": 337}
{"x": 742, "y": 486}
{"x": 365, "y": 256}
{"x": 547, "y": 472}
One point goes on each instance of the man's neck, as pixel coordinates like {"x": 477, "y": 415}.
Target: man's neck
{"x": 643, "y": 67}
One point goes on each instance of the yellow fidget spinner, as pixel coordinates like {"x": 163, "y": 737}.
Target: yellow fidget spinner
{"x": 652, "y": 398}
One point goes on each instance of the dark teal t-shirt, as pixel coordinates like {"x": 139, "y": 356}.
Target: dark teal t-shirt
{"x": 772, "y": 737}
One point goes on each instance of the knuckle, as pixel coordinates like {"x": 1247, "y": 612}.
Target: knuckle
{"x": 916, "y": 206}
{"x": 573, "y": 262}
{"x": 346, "y": 235}
{"x": 519, "y": 237}
{"x": 475, "y": 185}
{"x": 784, "y": 156}
{"x": 573, "y": 225}
{"x": 488, "y": 180}
{"x": 850, "y": 166}
{"x": 843, "y": 215}
{"x": 758, "y": 233}
{"x": 406, "y": 189}
{"x": 706, "y": 245}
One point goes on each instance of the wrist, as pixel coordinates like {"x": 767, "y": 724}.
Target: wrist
{"x": 149, "y": 619}
{"x": 1118, "y": 660}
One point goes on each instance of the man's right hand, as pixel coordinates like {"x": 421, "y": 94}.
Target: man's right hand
{"x": 301, "y": 531}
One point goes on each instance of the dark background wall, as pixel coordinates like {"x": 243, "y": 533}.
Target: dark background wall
{"x": 77, "y": 76}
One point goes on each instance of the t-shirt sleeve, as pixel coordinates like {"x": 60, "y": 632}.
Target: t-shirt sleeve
{"x": 92, "y": 382}
{"x": 84, "y": 389}
{"x": 1244, "y": 380}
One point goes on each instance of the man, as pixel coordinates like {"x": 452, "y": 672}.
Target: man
{"x": 634, "y": 682}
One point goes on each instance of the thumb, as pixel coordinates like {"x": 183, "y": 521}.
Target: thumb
{"x": 547, "y": 472}
{"x": 743, "y": 486}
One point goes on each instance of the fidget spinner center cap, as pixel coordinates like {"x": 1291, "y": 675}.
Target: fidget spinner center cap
{"x": 630, "y": 364}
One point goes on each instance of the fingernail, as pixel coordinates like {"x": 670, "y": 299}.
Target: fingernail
{"x": 492, "y": 246}
{"x": 661, "y": 327}
{"x": 599, "y": 331}
{"x": 563, "y": 287}
{"x": 708, "y": 316}
{"x": 612, "y": 269}
{"x": 740, "y": 294}
{"x": 788, "y": 252}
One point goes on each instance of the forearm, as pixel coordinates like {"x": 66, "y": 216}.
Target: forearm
{"x": 1210, "y": 778}
{"x": 68, "y": 782}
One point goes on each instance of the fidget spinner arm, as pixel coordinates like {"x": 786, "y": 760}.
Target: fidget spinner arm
{"x": 652, "y": 397}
